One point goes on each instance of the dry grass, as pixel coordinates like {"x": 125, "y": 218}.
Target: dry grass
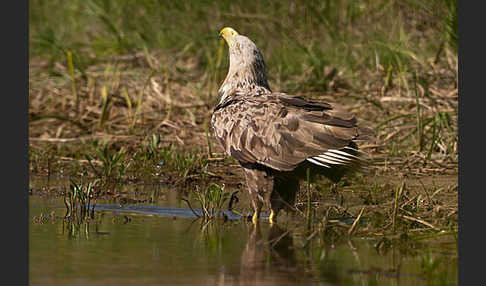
{"x": 126, "y": 104}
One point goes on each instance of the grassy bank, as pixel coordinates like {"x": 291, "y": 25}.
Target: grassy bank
{"x": 123, "y": 90}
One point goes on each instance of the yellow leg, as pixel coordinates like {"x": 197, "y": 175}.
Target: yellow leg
{"x": 272, "y": 218}
{"x": 256, "y": 217}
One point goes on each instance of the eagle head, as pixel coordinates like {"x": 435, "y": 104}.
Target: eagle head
{"x": 228, "y": 34}
{"x": 247, "y": 70}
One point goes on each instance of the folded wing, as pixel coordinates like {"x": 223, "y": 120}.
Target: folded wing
{"x": 281, "y": 131}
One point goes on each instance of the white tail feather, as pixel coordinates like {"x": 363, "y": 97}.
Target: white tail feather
{"x": 339, "y": 157}
{"x": 322, "y": 160}
{"x": 317, "y": 163}
{"x": 337, "y": 152}
{"x": 336, "y": 156}
{"x": 331, "y": 160}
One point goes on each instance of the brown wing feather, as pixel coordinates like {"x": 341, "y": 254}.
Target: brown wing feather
{"x": 279, "y": 130}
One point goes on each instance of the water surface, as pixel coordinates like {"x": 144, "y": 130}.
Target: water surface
{"x": 130, "y": 248}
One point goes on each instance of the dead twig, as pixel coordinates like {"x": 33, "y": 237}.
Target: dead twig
{"x": 351, "y": 229}
{"x": 419, "y": 221}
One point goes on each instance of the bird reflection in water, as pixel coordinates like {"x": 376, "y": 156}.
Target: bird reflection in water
{"x": 268, "y": 259}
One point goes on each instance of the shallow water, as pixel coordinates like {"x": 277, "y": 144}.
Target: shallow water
{"x": 155, "y": 245}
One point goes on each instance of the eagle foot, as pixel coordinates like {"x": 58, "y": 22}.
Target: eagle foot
{"x": 255, "y": 217}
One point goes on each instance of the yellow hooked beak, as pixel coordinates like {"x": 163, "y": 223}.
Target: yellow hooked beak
{"x": 228, "y": 34}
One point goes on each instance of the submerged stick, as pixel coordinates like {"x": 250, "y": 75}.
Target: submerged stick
{"x": 190, "y": 207}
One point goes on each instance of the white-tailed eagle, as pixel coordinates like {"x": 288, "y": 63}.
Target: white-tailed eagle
{"x": 276, "y": 137}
